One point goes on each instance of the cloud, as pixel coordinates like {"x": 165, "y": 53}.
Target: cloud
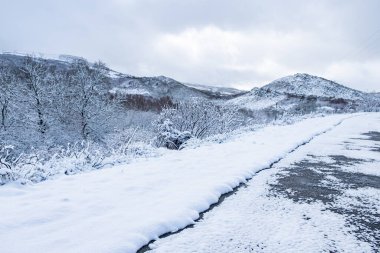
{"x": 243, "y": 43}
{"x": 246, "y": 58}
{"x": 224, "y": 56}
{"x": 359, "y": 75}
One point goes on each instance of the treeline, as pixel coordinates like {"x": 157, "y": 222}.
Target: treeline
{"x": 42, "y": 103}
{"x": 143, "y": 102}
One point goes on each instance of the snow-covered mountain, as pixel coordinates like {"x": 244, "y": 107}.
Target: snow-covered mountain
{"x": 46, "y": 103}
{"x": 160, "y": 87}
{"x": 217, "y": 91}
{"x": 155, "y": 87}
{"x": 141, "y": 93}
{"x": 302, "y": 94}
{"x": 154, "y": 93}
{"x": 305, "y": 84}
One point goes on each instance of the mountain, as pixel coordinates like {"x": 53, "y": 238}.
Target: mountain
{"x": 155, "y": 87}
{"x": 52, "y": 102}
{"x": 305, "y": 84}
{"x": 221, "y": 92}
{"x": 139, "y": 93}
{"x": 302, "y": 94}
{"x": 299, "y": 93}
{"x": 146, "y": 93}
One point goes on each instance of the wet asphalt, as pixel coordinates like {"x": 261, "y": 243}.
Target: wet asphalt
{"x": 314, "y": 179}
{"x": 325, "y": 180}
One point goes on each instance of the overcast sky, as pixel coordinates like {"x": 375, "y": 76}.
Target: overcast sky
{"x": 240, "y": 43}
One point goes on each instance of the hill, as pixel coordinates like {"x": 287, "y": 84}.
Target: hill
{"x": 303, "y": 94}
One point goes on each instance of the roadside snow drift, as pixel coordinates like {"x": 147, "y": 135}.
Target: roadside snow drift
{"x": 122, "y": 208}
{"x": 308, "y": 202}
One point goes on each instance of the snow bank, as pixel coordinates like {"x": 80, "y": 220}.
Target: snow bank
{"x": 256, "y": 220}
{"x": 265, "y": 225}
{"x": 123, "y": 208}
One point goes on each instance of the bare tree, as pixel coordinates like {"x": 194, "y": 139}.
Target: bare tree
{"x": 7, "y": 83}
{"x": 201, "y": 118}
{"x": 88, "y": 93}
{"x": 36, "y": 75}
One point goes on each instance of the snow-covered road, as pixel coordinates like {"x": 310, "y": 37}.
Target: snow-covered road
{"x": 122, "y": 208}
{"x": 324, "y": 197}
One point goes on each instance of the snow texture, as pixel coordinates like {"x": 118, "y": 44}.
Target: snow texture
{"x": 253, "y": 220}
{"x": 253, "y": 102}
{"x": 304, "y": 84}
{"x": 122, "y": 208}
{"x": 306, "y": 92}
{"x": 216, "y": 90}
{"x": 131, "y": 91}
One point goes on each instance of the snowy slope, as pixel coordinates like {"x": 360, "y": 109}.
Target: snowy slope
{"x": 155, "y": 87}
{"x": 258, "y": 99}
{"x": 217, "y": 91}
{"x": 284, "y": 93}
{"x": 160, "y": 86}
{"x": 305, "y": 84}
{"x": 122, "y": 208}
{"x": 303, "y": 93}
{"x": 124, "y": 84}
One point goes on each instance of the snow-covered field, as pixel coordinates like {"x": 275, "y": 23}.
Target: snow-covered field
{"x": 122, "y": 208}
{"x": 257, "y": 103}
{"x": 330, "y": 214}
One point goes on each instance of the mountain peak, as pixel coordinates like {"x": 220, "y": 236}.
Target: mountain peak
{"x": 300, "y": 76}
{"x": 309, "y": 85}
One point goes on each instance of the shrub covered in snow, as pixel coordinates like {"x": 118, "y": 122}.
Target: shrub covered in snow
{"x": 14, "y": 166}
{"x": 38, "y": 166}
{"x": 170, "y": 137}
{"x": 198, "y": 119}
{"x": 6, "y": 162}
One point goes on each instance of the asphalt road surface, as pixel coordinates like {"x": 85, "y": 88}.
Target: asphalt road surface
{"x": 323, "y": 197}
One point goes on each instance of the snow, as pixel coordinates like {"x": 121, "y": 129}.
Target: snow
{"x": 115, "y": 74}
{"x": 365, "y": 168}
{"x": 252, "y": 220}
{"x": 299, "y": 90}
{"x": 122, "y": 208}
{"x": 164, "y": 79}
{"x": 4, "y": 171}
{"x": 221, "y": 90}
{"x": 305, "y": 84}
{"x": 129, "y": 91}
{"x": 251, "y": 102}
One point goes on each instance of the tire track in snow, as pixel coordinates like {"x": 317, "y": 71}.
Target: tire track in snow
{"x": 234, "y": 190}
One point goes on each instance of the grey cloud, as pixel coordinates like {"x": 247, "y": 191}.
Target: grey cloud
{"x": 143, "y": 37}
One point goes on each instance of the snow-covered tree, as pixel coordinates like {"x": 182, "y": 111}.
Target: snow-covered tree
{"x": 7, "y": 93}
{"x": 196, "y": 119}
{"x": 170, "y": 137}
{"x": 87, "y": 95}
{"x": 36, "y": 74}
